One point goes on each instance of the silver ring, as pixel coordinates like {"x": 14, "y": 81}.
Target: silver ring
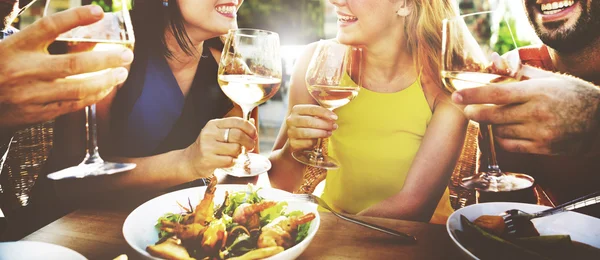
{"x": 226, "y": 135}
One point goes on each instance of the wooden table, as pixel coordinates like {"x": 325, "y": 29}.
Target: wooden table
{"x": 96, "y": 234}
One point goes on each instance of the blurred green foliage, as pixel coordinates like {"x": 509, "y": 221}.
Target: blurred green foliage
{"x": 504, "y": 42}
{"x": 110, "y": 5}
{"x": 296, "y": 21}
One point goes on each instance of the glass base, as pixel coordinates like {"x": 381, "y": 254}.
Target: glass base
{"x": 310, "y": 158}
{"x": 94, "y": 169}
{"x": 507, "y": 181}
{"x": 258, "y": 164}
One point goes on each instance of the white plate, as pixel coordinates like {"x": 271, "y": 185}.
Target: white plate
{"x": 580, "y": 227}
{"x": 25, "y": 250}
{"x": 139, "y": 231}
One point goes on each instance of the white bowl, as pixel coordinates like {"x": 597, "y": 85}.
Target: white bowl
{"x": 24, "y": 250}
{"x": 581, "y": 228}
{"x": 139, "y": 231}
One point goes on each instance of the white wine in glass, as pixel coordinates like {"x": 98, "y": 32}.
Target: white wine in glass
{"x": 465, "y": 65}
{"x": 113, "y": 31}
{"x": 250, "y": 74}
{"x": 333, "y": 79}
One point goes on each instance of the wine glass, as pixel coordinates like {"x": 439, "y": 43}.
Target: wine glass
{"x": 333, "y": 79}
{"x": 466, "y": 41}
{"x": 114, "y": 30}
{"x": 250, "y": 74}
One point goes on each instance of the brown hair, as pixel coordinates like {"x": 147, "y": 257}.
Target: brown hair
{"x": 423, "y": 31}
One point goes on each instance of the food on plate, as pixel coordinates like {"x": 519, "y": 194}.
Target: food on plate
{"x": 245, "y": 226}
{"x": 483, "y": 238}
{"x": 496, "y": 226}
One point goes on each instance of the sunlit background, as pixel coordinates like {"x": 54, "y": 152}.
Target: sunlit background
{"x": 300, "y": 22}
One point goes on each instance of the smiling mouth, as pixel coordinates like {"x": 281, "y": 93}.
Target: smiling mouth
{"x": 227, "y": 10}
{"x": 347, "y": 18}
{"x": 555, "y": 7}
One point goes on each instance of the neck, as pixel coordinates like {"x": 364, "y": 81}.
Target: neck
{"x": 387, "y": 65}
{"x": 181, "y": 59}
{"x": 584, "y": 64}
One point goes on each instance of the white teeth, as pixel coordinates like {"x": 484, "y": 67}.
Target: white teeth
{"x": 226, "y": 9}
{"x": 555, "y": 7}
{"x": 345, "y": 18}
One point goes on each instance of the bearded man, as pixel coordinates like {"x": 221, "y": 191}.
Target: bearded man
{"x": 549, "y": 126}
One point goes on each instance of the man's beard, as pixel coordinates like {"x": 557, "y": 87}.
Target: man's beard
{"x": 584, "y": 33}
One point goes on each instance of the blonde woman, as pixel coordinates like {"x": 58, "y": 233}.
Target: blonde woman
{"x": 401, "y": 135}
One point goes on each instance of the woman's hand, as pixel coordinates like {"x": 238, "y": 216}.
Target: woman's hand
{"x": 215, "y": 148}
{"x": 306, "y": 123}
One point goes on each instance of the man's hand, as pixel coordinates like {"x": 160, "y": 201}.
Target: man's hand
{"x": 547, "y": 114}
{"x": 33, "y": 84}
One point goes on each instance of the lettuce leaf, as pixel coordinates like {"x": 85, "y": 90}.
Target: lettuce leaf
{"x": 172, "y": 217}
{"x": 268, "y": 215}
{"x": 237, "y": 198}
{"x": 295, "y": 213}
{"x": 302, "y": 232}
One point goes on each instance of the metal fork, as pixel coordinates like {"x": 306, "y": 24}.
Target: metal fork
{"x": 314, "y": 199}
{"x": 510, "y": 216}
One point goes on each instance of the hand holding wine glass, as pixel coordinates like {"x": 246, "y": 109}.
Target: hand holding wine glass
{"x": 249, "y": 74}
{"x": 113, "y": 31}
{"x": 333, "y": 79}
{"x": 26, "y": 52}
{"x": 465, "y": 65}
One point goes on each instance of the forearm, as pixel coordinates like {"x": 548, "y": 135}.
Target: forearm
{"x": 152, "y": 174}
{"x": 286, "y": 173}
{"x": 404, "y": 206}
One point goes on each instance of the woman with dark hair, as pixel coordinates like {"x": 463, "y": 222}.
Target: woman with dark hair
{"x": 170, "y": 117}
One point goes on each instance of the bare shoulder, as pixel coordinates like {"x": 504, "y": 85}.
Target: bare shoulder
{"x": 298, "y": 92}
{"x": 303, "y": 60}
{"x": 434, "y": 92}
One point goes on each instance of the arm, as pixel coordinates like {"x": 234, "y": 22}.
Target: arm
{"x": 153, "y": 173}
{"x": 431, "y": 169}
{"x": 305, "y": 122}
{"x": 32, "y": 92}
{"x": 549, "y": 113}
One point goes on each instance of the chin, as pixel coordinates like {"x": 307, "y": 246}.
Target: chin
{"x": 348, "y": 39}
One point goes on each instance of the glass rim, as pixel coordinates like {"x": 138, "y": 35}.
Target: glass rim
{"x": 242, "y": 30}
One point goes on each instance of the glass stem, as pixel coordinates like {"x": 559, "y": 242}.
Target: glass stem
{"x": 488, "y": 138}
{"x": 318, "y": 151}
{"x": 243, "y": 159}
{"x": 92, "y": 155}
{"x": 317, "y": 154}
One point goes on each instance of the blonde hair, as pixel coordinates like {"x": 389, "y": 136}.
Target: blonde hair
{"x": 424, "y": 34}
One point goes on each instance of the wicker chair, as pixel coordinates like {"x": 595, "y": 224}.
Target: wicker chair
{"x": 28, "y": 152}
{"x": 466, "y": 166}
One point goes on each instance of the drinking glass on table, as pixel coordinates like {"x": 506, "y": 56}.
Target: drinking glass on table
{"x": 333, "y": 79}
{"x": 114, "y": 30}
{"x": 465, "y": 64}
{"x": 250, "y": 74}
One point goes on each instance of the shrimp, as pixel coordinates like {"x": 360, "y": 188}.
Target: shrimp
{"x": 247, "y": 214}
{"x": 282, "y": 231}
{"x": 215, "y": 236}
{"x": 204, "y": 212}
{"x": 182, "y": 231}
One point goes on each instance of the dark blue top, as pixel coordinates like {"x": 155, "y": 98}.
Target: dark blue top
{"x": 151, "y": 116}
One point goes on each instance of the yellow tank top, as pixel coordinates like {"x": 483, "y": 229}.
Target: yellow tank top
{"x": 378, "y": 137}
